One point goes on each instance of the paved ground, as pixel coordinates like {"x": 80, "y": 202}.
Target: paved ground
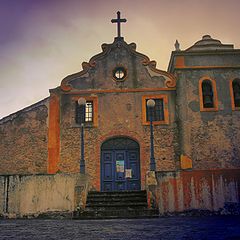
{"x": 217, "y": 227}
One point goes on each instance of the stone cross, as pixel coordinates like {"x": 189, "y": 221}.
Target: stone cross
{"x": 118, "y": 21}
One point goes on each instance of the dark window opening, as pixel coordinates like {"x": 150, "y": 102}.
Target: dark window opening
{"x": 119, "y": 73}
{"x": 236, "y": 92}
{"x": 84, "y": 114}
{"x": 157, "y": 111}
{"x": 207, "y": 94}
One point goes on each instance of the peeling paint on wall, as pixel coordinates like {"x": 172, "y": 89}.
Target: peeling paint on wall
{"x": 203, "y": 190}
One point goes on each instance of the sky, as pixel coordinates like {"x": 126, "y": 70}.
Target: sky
{"x": 43, "y": 41}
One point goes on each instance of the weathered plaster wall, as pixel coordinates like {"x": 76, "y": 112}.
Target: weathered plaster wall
{"x": 200, "y": 190}
{"x": 119, "y": 114}
{"x": 23, "y": 140}
{"x": 210, "y": 139}
{"x": 35, "y": 194}
{"x": 98, "y": 73}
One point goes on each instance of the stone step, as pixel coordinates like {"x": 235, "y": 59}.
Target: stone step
{"x": 119, "y": 204}
{"x": 116, "y": 199}
{"x": 124, "y": 204}
{"x": 111, "y": 214}
{"x": 116, "y": 194}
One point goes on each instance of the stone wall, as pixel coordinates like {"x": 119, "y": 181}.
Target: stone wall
{"x": 119, "y": 114}
{"x": 119, "y": 111}
{"x": 23, "y": 140}
{"x": 212, "y": 190}
{"x": 32, "y": 195}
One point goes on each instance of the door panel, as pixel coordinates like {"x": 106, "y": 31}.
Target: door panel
{"x": 134, "y": 181}
{"x": 134, "y": 164}
{"x": 108, "y": 171}
{"x": 134, "y": 167}
{"x": 119, "y": 186}
{"x": 120, "y": 162}
{"x": 107, "y": 186}
{"x": 134, "y": 185}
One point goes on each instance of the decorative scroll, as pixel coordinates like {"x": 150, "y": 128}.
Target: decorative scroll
{"x": 170, "y": 81}
{"x": 66, "y": 82}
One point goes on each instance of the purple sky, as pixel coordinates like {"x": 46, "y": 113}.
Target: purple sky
{"x": 42, "y": 41}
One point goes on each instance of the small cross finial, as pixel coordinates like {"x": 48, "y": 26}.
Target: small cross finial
{"x": 118, "y": 21}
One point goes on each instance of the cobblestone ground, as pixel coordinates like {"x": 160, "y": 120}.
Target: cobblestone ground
{"x": 216, "y": 227}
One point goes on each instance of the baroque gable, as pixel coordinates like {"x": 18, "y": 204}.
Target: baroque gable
{"x": 98, "y": 73}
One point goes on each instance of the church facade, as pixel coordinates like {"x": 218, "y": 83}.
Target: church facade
{"x": 196, "y": 130}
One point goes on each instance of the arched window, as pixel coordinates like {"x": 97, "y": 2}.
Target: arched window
{"x": 208, "y": 95}
{"x": 236, "y": 92}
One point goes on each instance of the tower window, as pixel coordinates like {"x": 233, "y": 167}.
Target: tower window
{"x": 207, "y": 93}
{"x": 236, "y": 92}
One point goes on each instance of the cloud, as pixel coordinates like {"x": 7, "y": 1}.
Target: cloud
{"x": 43, "y": 41}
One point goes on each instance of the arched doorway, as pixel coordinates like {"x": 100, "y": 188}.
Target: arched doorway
{"x": 120, "y": 165}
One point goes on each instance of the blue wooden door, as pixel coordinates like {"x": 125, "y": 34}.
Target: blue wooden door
{"x": 120, "y": 170}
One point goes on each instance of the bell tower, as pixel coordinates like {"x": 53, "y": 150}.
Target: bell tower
{"x": 208, "y": 92}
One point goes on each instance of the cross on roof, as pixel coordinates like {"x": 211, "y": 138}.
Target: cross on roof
{"x": 118, "y": 21}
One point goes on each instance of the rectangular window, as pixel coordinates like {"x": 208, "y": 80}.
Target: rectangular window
{"x": 89, "y": 111}
{"x": 157, "y": 112}
{"x": 84, "y": 114}
{"x": 160, "y": 114}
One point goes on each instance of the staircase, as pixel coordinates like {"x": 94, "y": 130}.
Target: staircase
{"x": 124, "y": 204}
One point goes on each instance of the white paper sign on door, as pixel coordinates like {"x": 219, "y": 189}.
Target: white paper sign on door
{"x": 120, "y": 166}
{"x": 128, "y": 173}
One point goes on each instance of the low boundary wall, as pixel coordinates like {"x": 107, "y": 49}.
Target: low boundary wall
{"x": 213, "y": 190}
{"x": 36, "y": 194}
